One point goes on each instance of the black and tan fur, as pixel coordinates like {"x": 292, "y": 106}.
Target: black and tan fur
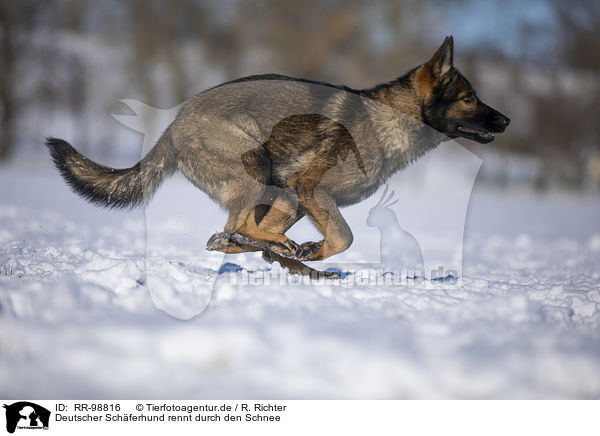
{"x": 272, "y": 149}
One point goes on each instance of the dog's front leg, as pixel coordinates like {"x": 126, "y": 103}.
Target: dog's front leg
{"x": 324, "y": 213}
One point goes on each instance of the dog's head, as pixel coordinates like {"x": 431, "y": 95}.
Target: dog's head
{"x": 449, "y": 102}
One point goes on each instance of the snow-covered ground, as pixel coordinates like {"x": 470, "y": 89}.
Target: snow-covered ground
{"x": 77, "y": 319}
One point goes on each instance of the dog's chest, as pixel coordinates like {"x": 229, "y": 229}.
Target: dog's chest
{"x": 400, "y": 139}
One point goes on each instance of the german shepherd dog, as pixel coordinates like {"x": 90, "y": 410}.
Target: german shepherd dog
{"x": 271, "y": 149}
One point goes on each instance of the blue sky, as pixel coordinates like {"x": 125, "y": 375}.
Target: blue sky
{"x": 475, "y": 21}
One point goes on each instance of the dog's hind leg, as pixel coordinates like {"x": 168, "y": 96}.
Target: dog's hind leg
{"x": 273, "y": 219}
{"x": 222, "y": 242}
{"x": 242, "y": 230}
{"x": 278, "y": 218}
{"x": 265, "y": 239}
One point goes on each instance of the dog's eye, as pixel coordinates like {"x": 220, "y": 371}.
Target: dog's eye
{"x": 469, "y": 98}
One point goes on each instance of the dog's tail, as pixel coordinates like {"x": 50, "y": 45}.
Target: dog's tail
{"x": 111, "y": 187}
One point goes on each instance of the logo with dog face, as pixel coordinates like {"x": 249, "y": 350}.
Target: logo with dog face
{"x": 25, "y": 415}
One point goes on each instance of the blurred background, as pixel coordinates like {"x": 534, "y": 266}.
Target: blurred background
{"x": 66, "y": 64}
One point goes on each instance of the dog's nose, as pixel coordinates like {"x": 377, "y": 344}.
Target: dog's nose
{"x": 503, "y": 121}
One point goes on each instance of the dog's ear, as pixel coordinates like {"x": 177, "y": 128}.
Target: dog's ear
{"x": 442, "y": 61}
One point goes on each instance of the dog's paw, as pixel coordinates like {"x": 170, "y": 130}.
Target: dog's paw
{"x": 269, "y": 256}
{"x": 219, "y": 242}
{"x": 287, "y": 248}
{"x": 310, "y": 251}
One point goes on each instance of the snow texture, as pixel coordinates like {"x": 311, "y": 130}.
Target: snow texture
{"x": 77, "y": 318}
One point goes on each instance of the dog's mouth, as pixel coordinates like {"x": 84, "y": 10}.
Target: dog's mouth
{"x": 478, "y": 135}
